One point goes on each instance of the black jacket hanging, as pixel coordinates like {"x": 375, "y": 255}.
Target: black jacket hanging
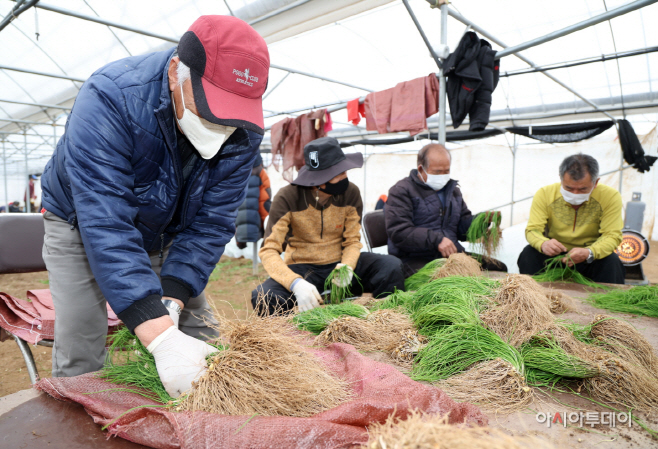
{"x": 472, "y": 75}
{"x": 632, "y": 148}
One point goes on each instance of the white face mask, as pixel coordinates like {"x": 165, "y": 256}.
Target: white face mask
{"x": 436, "y": 182}
{"x": 575, "y": 199}
{"x": 206, "y": 137}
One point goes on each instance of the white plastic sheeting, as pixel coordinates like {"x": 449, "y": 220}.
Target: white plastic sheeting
{"x": 484, "y": 172}
{"x": 376, "y": 48}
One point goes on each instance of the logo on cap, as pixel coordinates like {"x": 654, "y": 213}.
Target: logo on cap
{"x": 313, "y": 157}
{"x": 247, "y": 77}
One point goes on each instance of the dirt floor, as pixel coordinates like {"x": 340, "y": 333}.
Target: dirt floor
{"x": 229, "y": 290}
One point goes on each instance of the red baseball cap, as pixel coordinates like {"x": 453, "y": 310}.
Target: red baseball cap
{"x": 229, "y": 64}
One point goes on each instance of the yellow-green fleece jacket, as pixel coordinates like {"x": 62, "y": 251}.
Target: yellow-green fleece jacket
{"x": 596, "y": 224}
{"x": 310, "y": 233}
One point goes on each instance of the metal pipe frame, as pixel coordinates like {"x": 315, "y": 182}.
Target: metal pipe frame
{"x": 602, "y": 58}
{"x": 110, "y": 23}
{"x": 68, "y": 12}
{"x": 37, "y": 72}
{"x": 28, "y": 122}
{"x": 29, "y": 359}
{"x": 41, "y": 105}
{"x": 442, "y": 78}
{"x": 18, "y": 9}
{"x": 422, "y": 34}
{"x": 275, "y": 13}
{"x": 489, "y": 36}
{"x": 576, "y": 27}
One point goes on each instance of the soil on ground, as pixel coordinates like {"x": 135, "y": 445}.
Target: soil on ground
{"x": 229, "y": 291}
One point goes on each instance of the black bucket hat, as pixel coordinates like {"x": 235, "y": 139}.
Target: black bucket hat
{"x": 324, "y": 159}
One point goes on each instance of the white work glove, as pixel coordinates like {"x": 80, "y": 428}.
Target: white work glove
{"x": 342, "y": 283}
{"x": 307, "y": 295}
{"x": 180, "y": 359}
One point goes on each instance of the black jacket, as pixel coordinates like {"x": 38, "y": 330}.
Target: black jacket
{"x": 472, "y": 77}
{"x": 416, "y": 221}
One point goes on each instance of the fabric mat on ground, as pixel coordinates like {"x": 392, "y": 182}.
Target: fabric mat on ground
{"x": 380, "y": 390}
{"x": 34, "y": 320}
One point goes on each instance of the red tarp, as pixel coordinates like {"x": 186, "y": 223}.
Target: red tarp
{"x": 380, "y": 390}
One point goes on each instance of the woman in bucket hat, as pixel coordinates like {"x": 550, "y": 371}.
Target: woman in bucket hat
{"x": 316, "y": 221}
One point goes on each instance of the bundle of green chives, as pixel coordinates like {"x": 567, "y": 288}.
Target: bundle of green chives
{"x": 640, "y": 300}
{"x": 453, "y": 349}
{"x": 538, "y": 378}
{"x": 316, "y": 320}
{"x": 432, "y": 317}
{"x": 545, "y": 354}
{"x": 423, "y": 276}
{"x": 556, "y": 271}
{"x": 455, "y": 289}
{"x": 485, "y": 238}
{"x": 397, "y": 299}
{"x": 130, "y": 363}
{"x": 342, "y": 276}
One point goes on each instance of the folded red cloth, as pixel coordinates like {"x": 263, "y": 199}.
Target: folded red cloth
{"x": 34, "y": 320}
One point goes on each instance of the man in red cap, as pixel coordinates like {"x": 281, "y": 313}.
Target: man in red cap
{"x": 141, "y": 196}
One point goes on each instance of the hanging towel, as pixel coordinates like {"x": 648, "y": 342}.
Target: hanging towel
{"x": 290, "y": 135}
{"x": 404, "y": 107}
{"x": 355, "y": 111}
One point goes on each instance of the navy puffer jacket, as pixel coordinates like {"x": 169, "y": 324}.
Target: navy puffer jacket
{"x": 416, "y": 221}
{"x": 116, "y": 175}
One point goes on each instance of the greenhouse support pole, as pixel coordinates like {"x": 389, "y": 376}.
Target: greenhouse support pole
{"x": 4, "y": 165}
{"x": 511, "y": 212}
{"x": 442, "y": 79}
{"x": 27, "y": 174}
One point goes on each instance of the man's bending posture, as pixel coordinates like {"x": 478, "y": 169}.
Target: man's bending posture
{"x": 583, "y": 220}
{"x": 142, "y": 191}
{"x": 317, "y": 222}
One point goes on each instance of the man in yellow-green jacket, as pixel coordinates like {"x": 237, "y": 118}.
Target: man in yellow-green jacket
{"x": 577, "y": 217}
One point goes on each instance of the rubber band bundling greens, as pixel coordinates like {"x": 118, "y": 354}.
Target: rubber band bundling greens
{"x": 423, "y": 276}
{"x": 556, "y": 271}
{"x": 316, "y": 320}
{"x": 131, "y": 364}
{"x": 341, "y": 276}
{"x": 640, "y": 300}
{"x": 484, "y": 234}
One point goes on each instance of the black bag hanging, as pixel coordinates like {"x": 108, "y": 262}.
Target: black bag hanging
{"x": 632, "y": 148}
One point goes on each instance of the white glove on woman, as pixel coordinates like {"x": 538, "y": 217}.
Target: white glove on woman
{"x": 342, "y": 283}
{"x": 306, "y": 294}
{"x": 180, "y": 359}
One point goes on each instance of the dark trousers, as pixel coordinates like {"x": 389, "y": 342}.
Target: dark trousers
{"x": 609, "y": 269}
{"x": 412, "y": 265}
{"x": 380, "y": 275}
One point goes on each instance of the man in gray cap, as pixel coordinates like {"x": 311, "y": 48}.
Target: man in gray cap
{"x": 317, "y": 222}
